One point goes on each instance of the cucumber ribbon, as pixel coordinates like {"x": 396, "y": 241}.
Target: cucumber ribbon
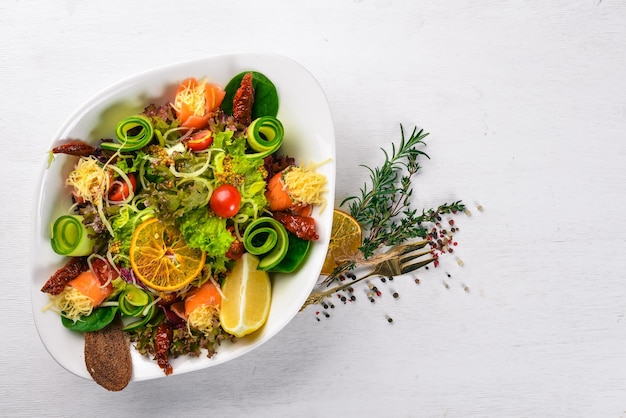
{"x": 265, "y": 135}
{"x": 268, "y": 239}
{"x": 71, "y": 237}
{"x": 133, "y": 133}
{"x": 136, "y": 303}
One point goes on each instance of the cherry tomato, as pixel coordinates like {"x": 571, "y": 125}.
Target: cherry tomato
{"x": 225, "y": 201}
{"x": 200, "y": 140}
{"x": 103, "y": 270}
{"x": 119, "y": 189}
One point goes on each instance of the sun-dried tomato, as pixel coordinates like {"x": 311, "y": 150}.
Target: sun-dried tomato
{"x": 57, "y": 282}
{"x": 301, "y": 226}
{"x": 163, "y": 339}
{"x": 76, "y": 147}
{"x": 243, "y": 101}
{"x": 236, "y": 248}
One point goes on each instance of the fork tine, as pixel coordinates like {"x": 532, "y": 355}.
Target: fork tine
{"x": 412, "y": 246}
{"x": 410, "y": 257}
{"x": 409, "y": 268}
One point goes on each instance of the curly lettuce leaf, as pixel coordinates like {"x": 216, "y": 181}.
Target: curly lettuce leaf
{"x": 206, "y": 232}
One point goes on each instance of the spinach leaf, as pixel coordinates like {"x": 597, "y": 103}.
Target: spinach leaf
{"x": 298, "y": 250}
{"x": 265, "y": 95}
{"x": 99, "y": 318}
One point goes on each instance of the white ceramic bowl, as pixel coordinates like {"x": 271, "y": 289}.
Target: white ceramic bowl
{"x": 309, "y": 137}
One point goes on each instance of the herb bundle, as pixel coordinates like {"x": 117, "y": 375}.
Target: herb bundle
{"x": 384, "y": 207}
{"x": 385, "y": 213}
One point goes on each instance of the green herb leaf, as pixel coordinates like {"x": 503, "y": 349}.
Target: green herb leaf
{"x": 383, "y": 208}
{"x": 99, "y": 318}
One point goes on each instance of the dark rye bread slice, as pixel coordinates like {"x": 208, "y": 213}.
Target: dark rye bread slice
{"x": 107, "y": 356}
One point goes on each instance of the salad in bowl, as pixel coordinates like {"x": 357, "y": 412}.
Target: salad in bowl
{"x": 182, "y": 217}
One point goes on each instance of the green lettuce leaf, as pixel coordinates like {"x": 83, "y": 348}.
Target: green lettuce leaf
{"x": 206, "y": 232}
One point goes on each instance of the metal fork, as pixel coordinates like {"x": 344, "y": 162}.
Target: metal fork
{"x": 396, "y": 262}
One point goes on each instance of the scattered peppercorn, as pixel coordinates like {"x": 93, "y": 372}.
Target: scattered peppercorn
{"x": 395, "y": 295}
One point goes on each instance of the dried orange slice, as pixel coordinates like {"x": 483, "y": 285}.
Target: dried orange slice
{"x": 345, "y": 240}
{"x": 247, "y": 297}
{"x": 161, "y": 259}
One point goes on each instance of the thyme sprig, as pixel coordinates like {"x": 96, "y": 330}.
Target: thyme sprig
{"x": 384, "y": 207}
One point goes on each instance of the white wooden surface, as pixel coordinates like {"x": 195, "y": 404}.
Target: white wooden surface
{"x": 526, "y": 106}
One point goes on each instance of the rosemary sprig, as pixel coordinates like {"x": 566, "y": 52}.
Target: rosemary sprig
{"x": 384, "y": 208}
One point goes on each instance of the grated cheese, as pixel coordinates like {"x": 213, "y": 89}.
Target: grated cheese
{"x": 194, "y": 97}
{"x": 204, "y": 318}
{"x": 90, "y": 180}
{"x": 73, "y": 304}
{"x": 305, "y": 186}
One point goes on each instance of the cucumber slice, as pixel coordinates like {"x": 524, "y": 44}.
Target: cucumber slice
{"x": 128, "y": 309}
{"x": 136, "y": 297}
{"x": 265, "y": 135}
{"x": 70, "y": 237}
{"x": 141, "y": 322}
{"x": 147, "y": 311}
{"x": 268, "y": 239}
{"x": 133, "y": 133}
{"x": 134, "y": 300}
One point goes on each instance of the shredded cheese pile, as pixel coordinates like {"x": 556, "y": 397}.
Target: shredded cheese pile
{"x": 193, "y": 97}
{"x": 204, "y": 318}
{"x": 305, "y": 186}
{"x": 73, "y": 304}
{"x": 90, "y": 180}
